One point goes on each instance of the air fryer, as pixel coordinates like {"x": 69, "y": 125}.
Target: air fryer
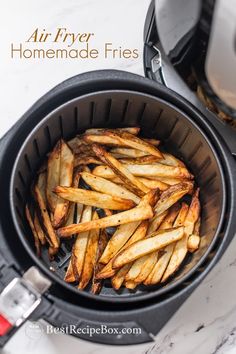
{"x": 109, "y": 99}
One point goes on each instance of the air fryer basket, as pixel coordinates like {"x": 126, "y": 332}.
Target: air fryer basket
{"x": 157, "y": 118}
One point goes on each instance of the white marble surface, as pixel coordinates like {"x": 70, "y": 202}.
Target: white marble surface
{"x": 212, "y": 307}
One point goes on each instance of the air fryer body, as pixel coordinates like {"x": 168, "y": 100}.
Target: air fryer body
{"x": 117, "y": 99}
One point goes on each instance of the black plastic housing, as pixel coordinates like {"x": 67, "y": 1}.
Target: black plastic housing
{"x": 148, "y": 310}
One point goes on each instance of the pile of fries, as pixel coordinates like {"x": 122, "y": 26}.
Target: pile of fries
{"x": 112, "y": 179}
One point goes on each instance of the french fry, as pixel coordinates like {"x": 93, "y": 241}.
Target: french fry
{"x": 129, "y": 140}
{"x": 118, "y": 279}
{"x": 88, "y": 197}
{"x": 53, "y": 175}
{"x": 139, "y": 160}
{"x": 170, "y": 181}
{"x": 39, "y": 193}
{"x": 34, "y": 232}
{"x": 39, "y": 230}
{"x": 158, "y": 270}
{"x": 193, "y": 243}
{"x": 131, "y": 130}
{"x": 120, "y": 237}
{"x": 70, "y": 276}
{"x": 138, "y": 234}
{"x": 127, "y": 152}
{"x": 156, "y": 221}
{"x": 172, "y": 195}
{"x": 149, "y": 171}
{"x": 171, "y": 160}
{"x": 102, "y": 242}
{"x": 148, "y": 245}
{"x": 90, "y": 256}
{"x": 141, "y": 212}
{"x": 132, "y": 183}
{"x": 181, "y": 247}
{"x": 149, "y": 183}
{"x": 144, "y": 265}
{"x": 86, "y": 160}
{"x": 152, "y": 141}
{"x": 80, "y": 245}
{"x": 130, "y": 284}
{"x": 65, "y": 180}
{"x": 102, "y": 185}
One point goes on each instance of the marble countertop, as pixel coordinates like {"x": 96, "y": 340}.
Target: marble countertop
{"x": 206, "y": 323}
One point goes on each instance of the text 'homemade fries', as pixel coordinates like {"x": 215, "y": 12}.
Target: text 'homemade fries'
{"x": 120, "y": 200}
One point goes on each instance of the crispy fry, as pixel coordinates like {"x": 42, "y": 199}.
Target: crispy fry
{"x": 70, "y": 276}
{"x": 158, "y": 270}
{"x": 34, "y": 232}
{"x": 97, "y": 283}
{"x": 132, "y": 183}
{"x": 139, "y": 160}
{"x": 39, "y": 192}
{"x": 181, "y": 247}
{"x": 171, "y": 160}
{"x": 90, "y": 256}
{"x": 172, "y": 195}
{"x": 151, "y": 141}
{"x": 39, "y": 230}
{"x": 150, "y": 183}
{"x": 139, "y": 234}
{"x": 128, "y": 152}
{"x": 99, "y": 200}
{"x": 129, "y": 140}
{"x": 118, "y": 279}
{"x": 156, "y": 221}
{"x": 80, "y": 245}
{"x": 193, "y": 243}
{"x": 130, "y": 284}
{"x": 151, "y": 244}
{"x": 66, "y": 175}
{"x": 86, "y": 160}
{"x": 131, "y": 130}
{"x": 53, "y": 176}
{"x": 142, "y": 267}
{"x": 102, "y": 185}
{"x": 119, "y": 238}
{"x": 157, "y": 170}
{"x": 138, "y": 213}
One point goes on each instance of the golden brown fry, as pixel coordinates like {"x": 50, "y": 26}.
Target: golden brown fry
{"x": 148, "y": 245}
{"x": 39, "y": 230}
{"x": 86, "y": 160}
{"x": 139, "y": 160}
{"x": 39, "y": 192}
{"x": 97, "y": 283}
{"x": 142, "y": 267}
{"x": 132, "y": 183}
{"x": 131, "y": 130}
{"x": 151, "y": 141}
{"x": 130, "y": 284}
{"x": 118, "y": 279}
{"x": 99, "y": 200}
{"x": 80, "y": 245}
{"x": 181, "y": 247}
{"x": 53, "y": 175}
{"x": 127, "y": 152}
{"x": 157, "y": 272}
{"x": 116, "y": 242}
{"x": 138, "y": 213}
{"x": 155, "y": 171}
{"x": 172, "y": 195}
{"x": 65, "y": 180}
{"x": 90, "y": 256}
{"x": 129, "y": 140}
{"x": 139, "y": 234}
{"x": 171, "y": 160}
{"x": 35, "y": 234}
{"x": 102, "y": 185}
{"x": 156, "y": 221}
{"x": 193, "y": 243}
{"x": 150, "y": 183}
{"x": 70, "y": 276}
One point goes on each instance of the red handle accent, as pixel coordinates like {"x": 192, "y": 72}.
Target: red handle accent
{"x": 5, "y": 325}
